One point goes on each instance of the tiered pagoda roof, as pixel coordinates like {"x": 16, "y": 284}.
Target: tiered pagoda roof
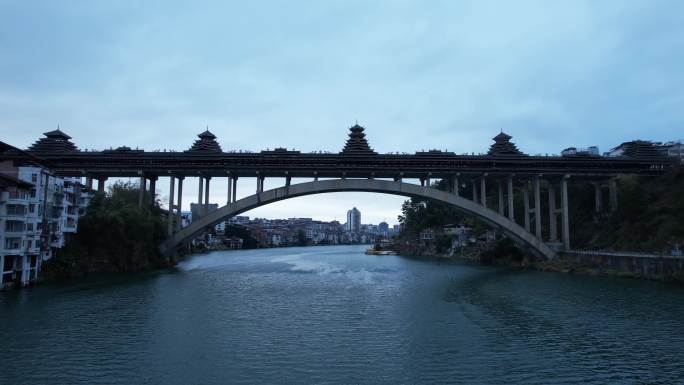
{"x": 357, "y": 142}
{"x": 54, "y": 141}
{"x": 206, "y": 143}
{"x": 640, "y": 149}
{"x": 503, "y": 146}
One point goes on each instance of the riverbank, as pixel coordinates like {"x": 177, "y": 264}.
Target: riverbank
{"x": 617, "y": 264}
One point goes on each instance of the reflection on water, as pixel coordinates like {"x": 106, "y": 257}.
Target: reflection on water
{"x": 335, "y": 315}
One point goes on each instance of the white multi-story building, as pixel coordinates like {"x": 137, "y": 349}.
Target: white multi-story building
{"x": 354, "y": 220}
{"x": 38, "y": 211}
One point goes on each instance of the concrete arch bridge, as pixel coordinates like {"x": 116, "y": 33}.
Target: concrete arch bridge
{"x": 519, "y": 234}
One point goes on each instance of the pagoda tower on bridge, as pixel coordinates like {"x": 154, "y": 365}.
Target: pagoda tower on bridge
{"x": 54, "y": 141}
{"x": 503, "y": 146}
{"x": 206, "y": 143}
{"x": 357, "y": 144}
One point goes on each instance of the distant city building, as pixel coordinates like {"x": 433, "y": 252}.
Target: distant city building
{"x": 674, "y": 149}
{"x": 199, "y": 210}
{"x": 354, "y": 220}
{"x": 635, "y": 149}
{"x": 574, "y": 151}
{"x": 383, "y": 229}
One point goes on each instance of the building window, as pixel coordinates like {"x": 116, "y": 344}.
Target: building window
{"x": 34, "y": 178}
{"x": 32, "y": 208}
{"x": 33, "y": 193}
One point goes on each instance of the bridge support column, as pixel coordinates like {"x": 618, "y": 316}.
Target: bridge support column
{"x": 483, "y": 191}
{"x": 553, "y": 229}
{"x": 501, "y": 197}
{"x": 526, "y": 207}
{"x": 153, "y": 189}
{"x": 475, "y": 200}
{"x": 565, "y": 213}
{"x": 612, "y": 188}
{"x": 511, "y": 213}
{"x": 100, "y": 184}
{"x": 422, "y": 182}
{"x": 455, "y": 186}
{"x": 170, "y": 217}
{"x": 258, "y": 183}
{"x": 200, "y": 192}
{"x": 141, "y": 191}
{"x": 288, "y": 181}
{"x": 206, "y": 196}
{"x": 89, "y": 182}
{"x": 235, "y": 179}
{"x": 537, "y": 208}
{"x": 179, "y": 205}
{"x": 598, "y": 197}
{"x": 230, "y": 191}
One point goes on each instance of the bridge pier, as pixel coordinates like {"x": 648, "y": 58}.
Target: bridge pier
{"x": 235, "y": 179}
{"x": 200, "y": 192}
{"x": 537, "y": 207}
{"x": 483, "y": 190}
{"x": 553, "y": 219}
{"x": 511, "y": 212}
{"x": 141, "y": 191}
{"x": 89, "y": 182}
{"x": 565, "y": 215}
{"x": 153, "y": 189}
{"x": 100, "y": 184}
{"x": 454, "y": 186}
{"x": 206, "y": 196}
{"x": 613, "y": 198}
{"x": 526, "y": 206}
{"x": 230, "y": 190}
{"x": 260, "y": 184}
{"x": 179, "y": 205}
{"x": 170, "y": 217}
{"x": 598, "y": 198}
{"x": 501, "y": 197}
{"x": 475, "y": 200}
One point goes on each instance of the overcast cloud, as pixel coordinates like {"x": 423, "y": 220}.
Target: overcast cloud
{"x": 416, "y": 74}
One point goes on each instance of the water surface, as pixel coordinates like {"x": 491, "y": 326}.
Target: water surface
{"x": 334, "y": 315}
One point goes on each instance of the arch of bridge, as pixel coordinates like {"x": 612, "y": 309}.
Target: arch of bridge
{"x": 512, "y": 229}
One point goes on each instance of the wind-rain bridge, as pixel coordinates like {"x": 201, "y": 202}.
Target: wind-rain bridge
{"x": 482, "y": 185}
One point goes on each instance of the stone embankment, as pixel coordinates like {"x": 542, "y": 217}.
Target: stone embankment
{"x": 624, "y": 264}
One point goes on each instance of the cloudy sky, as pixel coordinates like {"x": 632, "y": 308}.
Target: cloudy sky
{"x": 416, "y": 74}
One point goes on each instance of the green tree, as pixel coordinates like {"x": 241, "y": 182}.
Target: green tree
{"x": 115, "y": 235}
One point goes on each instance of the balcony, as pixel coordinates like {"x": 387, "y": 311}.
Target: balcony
{"x": 12, "y": 245}
{"x": 15, "y": 211}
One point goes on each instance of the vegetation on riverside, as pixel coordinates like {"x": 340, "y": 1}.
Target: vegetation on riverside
{"x": 418, "y": 214}
{"x": 115, "y": 235}
{"x": 650, "y": 216}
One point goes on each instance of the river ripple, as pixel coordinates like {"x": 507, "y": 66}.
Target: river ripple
{"x": 334, "y": 315}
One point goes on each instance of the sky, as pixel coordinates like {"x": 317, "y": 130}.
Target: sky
{"x": 417, "y": 74}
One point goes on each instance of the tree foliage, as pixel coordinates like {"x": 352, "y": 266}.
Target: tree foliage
{"x": 418, "y": 214}
{"x": 650, "y": 215}
{"x": 115, "y": 235}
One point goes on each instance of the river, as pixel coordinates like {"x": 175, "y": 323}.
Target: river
{"x": 334, "y": 315}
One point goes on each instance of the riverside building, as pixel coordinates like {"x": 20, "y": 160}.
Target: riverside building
{"x": 38, "y": 212}
{"x": 354, "y": 220}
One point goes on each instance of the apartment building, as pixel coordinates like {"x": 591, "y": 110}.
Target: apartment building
{"x": 38, "y": 212}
